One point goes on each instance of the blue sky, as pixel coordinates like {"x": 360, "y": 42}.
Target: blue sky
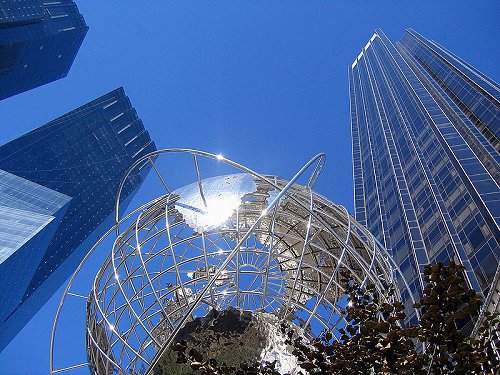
{"x": 262, "y": 82}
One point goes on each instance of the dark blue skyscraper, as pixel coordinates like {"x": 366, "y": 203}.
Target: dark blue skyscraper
{"x": 38, "y": 42}
{"x": 426, "y": 163}
{"x": 58, "y": 187}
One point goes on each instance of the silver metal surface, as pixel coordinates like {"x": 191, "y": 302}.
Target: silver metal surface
{"x": 243, "y": 240}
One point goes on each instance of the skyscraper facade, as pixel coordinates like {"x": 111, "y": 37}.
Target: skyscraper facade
{"x": 425, "y": 157}
{"x": 29, "y": 215}
{"x": 38, "y": 42}
{"x": 58, "y": 186}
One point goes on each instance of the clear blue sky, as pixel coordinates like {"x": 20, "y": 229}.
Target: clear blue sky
{"x": 262, "y": 82}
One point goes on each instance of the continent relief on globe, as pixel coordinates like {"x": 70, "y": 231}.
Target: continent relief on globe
{"x": 231, "y": 336}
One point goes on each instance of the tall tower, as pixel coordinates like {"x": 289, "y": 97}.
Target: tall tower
{"x": 38, "y": 42}
{"x": 425, "y": 157}
{"x": 58, "y": 186}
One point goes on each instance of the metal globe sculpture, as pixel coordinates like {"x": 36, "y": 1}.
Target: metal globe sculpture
{"x": 243, "y": 251}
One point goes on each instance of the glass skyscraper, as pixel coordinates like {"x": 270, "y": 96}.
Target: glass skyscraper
{"x": 29, "y": 215}
{"x": 38, "y": 42}
{"x": 58, "y": 186}
{"x": 425, "y": 128}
